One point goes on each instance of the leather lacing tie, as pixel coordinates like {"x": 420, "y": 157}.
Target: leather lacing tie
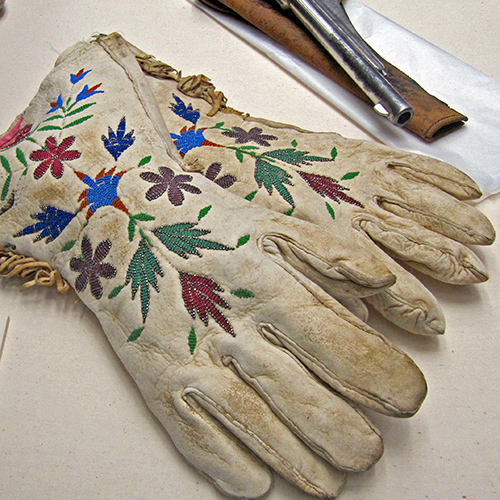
{"x": 36, "y": 273}
{"x": 192, "y": 86}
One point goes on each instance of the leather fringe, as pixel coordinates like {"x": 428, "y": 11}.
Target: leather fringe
{"x": 35, "y": 273}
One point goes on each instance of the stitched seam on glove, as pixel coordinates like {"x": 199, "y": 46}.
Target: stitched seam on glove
{"x": 381, "y": 201}
{"x": 413, "y": 310}
{"x": 408, "y": 172}
{"x": 254, "y": 382}
{"x": 318, "y": 365}
{"x": 235, "y": 423}
{"x": 357, "y": 224}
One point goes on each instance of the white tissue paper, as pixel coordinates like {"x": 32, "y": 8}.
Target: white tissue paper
{"x": 473, "y": 148}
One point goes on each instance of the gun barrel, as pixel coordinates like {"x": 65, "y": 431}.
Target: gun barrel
{"x": 330, "y": 25}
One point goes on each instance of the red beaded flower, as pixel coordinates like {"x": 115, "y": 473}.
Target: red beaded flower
{"x": 53, "y": 155}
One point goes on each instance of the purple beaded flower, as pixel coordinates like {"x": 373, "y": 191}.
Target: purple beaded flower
{"x": 167, "y": 181}
{"x": 91, "y": 267}
{"x": 225, "y": 181}
{"x": 253, "y": 135}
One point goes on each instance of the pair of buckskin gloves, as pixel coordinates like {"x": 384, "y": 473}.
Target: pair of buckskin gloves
{"x": 230, "y": 259}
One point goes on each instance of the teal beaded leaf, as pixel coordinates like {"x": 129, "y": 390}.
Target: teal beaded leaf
{"x": 141, "y": 275}
{"x": 184, "y": 240}
{"x": 272, "y": 177}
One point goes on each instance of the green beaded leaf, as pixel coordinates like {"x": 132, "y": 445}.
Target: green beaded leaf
{"x": 6, "y": 186}
{"x": 350, "y": 175}
{"x": 243, "y": 240}
{"x": 192, "y": 341}
{"x": 243, "y": 294}
{"x": 142, "y": 274}
{"x": 183, "y": 239}
{"x": 131, "y": 228}
{"x": 52, "y": 118}
{"x": 116, "y": 291}
{"x": 143, "y": 217}
{"x": 240, "y": 155}
{"x": 20, "y": 156}
{"x": 251, "y": 196}
{"x": 68, "y": 246}
{"x": 294, "y": 157}
{"x": 272, "y": 177}
{"x": 5, "y": 164}
{"x": 5, "y": 189}
{"x": 133, "y": 223}
{"x": 78, "y": 121}
{"x": 331, "y": 211}
{"x": 135, "y": 334}
{"x": 204, "y": 212}
{"x": 80, "y": 109}
{"x": 49, "y": 127}
{"x": 144, "y": 161}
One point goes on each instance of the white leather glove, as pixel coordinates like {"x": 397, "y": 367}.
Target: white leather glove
{"x": 216, "y": 306}
{"x": 402, "y": 207}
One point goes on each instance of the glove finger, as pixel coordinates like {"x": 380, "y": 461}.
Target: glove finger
{"x": 342, "y": 269}
{"x": 219, "y": 395}
{"x": 437, "y": 211}
{"x": 407, "y": 303}
{"x": 435, "y": 173}
{"x": 410, "y": 307}
{"x": 356, "y": 306}
{"x": 444, "y": 259}
{"x": 325, "y": 422}
{"x": 348, "y": 355}
{"x": 229, "y": 465}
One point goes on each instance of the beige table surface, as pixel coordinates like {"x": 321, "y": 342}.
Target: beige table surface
{"x": 72, "y": 423}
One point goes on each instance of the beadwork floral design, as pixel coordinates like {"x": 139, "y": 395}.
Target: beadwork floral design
{"x": 187, "y": 112}
{"x": 87, "y": 92}
{"x": 53, "y": 155}
{"x": 91, "y": 267}
{"x": 184, "y": 239}
{"x": 190, "y": 138}
{"x": 200, "y": 298}
{"x": 268, "y": 171}
{"x": 166, "y": 181}
{"x": 118, "y": 142}
{"x": 142, "y": 274}
{"x": 64, "y": 113}
{"x": 326, "y": 186}
{"x": 51, "y": 222}
{"x": 255, "y": 135}
{"x": 55, "y": 105}
{"x": 102, "y": 191}
{"x": 15, "y": 135}
{"x": 273, "y": 177}
{"x": 80, "y": 75}
{"x": 225, "y": 181}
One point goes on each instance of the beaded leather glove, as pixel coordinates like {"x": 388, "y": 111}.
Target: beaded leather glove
{"x": 216, "y": 306}
{"x": 403, "y": 207}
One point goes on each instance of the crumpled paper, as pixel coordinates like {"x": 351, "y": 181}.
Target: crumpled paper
{"x": 473, "y": 148}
